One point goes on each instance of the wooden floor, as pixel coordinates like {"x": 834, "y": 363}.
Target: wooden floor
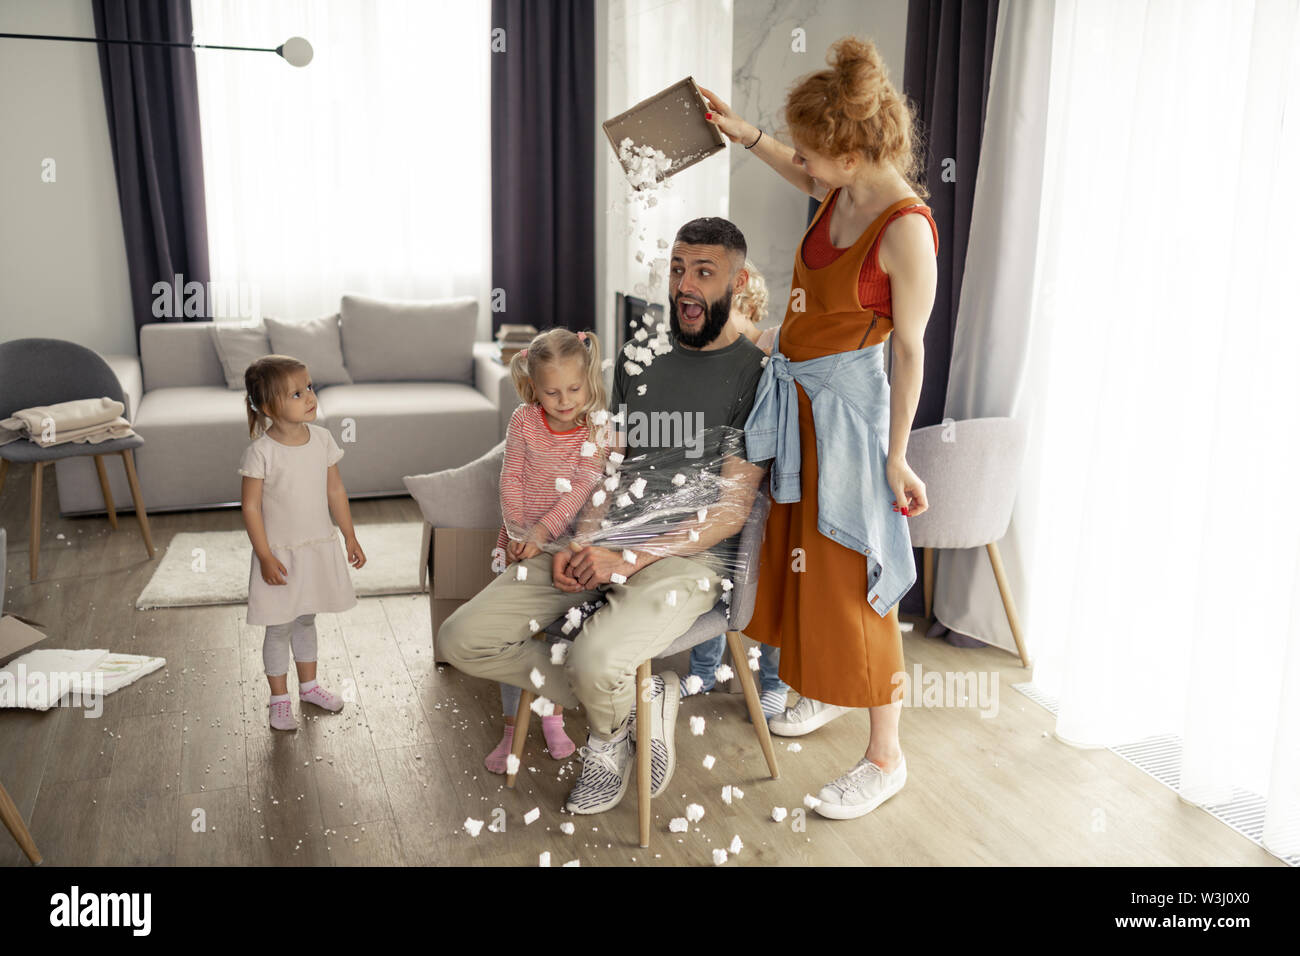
{"x": 391, "y": 779}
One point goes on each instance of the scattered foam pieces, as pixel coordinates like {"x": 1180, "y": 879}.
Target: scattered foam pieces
{"x": 703, "y": 583}
{"x": 588, "y": 449}
{"x": 536, "y": 677}
{"x": 694, "y": 812}
{"x": 754, "y": 652}
{"x": 778, "y": 814}
{"x": 641, "y": 335}
{"x": 671, "y": 599}
{"x": 726, "y": 794}
{"x": 600, "y": 416}
{"x": 702, "y": 513}
{"x": 512, "y": 764}
{"x": 738, "y": 793}
{"x": 726, "y": 584}
{"x": 692, "y": 534}
{"x": 521, "y": 572}
{"x": 605, "y": 366}
{"x": 708, "y": 761}
{"x": 574, "y": 863}
{"x": 616, "y": 457}
{"x": 544, "y": 859}
{"x": 632, "y": 368}
{"x": 542, "y": 707}
{"x": 559, "y": 652}
{"x": 694, "y": 683}
{"x": 638, "y": 487}
{"x": 566, "y": 828}
{"x": 679, "y": 479}
{"x": 811, "y": 802}
{"x": 697, "y": 725}
{"x": 629, "y": 556}
{"x": 531, "y": 816}
{"x": 563, "y": 484}
{"x": 736, "y": 845}
{"x": 611, "y": 482}
{"x": 617, "y": 578}
{"x": 678, "y": 825}
{"x": 753, "y": 664}
{"x": 574, "y": 616}
{"x": 472, "y": 827}
{"x": 719, "y": 856}
{"x": 724, "y": 673}
{"x": 640, "y": 389}
{"x": 533, "y": 625}
{"x": 795, "y": 747}
{"x": 598, "y": 498}
{"x": 623, "y": 500}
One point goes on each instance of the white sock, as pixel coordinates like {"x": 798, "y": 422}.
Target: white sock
{"x": 306, "y": 686}
{"x": 276, "y": 697}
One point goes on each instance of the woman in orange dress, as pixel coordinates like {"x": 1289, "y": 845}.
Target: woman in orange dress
{"x": 864, "y": 271}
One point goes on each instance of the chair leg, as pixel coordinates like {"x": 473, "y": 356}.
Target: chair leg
{"x": 927, "y": 583}
{"x": 4, "y": 471}
{"x": 38, "y": 480}
{"x": 755, "y": 706}
{"x": 1008, "y": 603}
{"x": 140, "y": 514}
{"x": 643, "y": 679}
{"x": 522, "y": 713}
{"x": 108, "y": 492}
{"x": 13, "y": 821}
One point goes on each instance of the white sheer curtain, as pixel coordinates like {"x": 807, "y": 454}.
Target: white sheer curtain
{"x": 367, "y": 171}
{"x": 1155, "y": 548}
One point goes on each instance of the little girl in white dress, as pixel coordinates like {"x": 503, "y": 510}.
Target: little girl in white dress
{"x": 290, "y": 488}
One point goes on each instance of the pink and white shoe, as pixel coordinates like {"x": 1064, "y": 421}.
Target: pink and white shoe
{"x": 282, "y": 715}
{"x": 322, "y": 698}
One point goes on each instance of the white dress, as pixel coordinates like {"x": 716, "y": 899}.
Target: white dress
{"x": 295, "y": 511}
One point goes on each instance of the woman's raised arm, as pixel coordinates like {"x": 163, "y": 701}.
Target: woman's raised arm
{"x": 769, "y": 149}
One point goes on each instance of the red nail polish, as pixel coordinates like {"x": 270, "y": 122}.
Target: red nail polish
{"x": 708, "y": 115}
{"x": 905, "y": 514}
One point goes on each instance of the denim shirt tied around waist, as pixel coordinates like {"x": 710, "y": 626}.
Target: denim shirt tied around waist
{"x": 850, "y": 405}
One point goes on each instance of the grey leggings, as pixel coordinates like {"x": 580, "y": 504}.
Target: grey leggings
{"x": 301, "y": 633}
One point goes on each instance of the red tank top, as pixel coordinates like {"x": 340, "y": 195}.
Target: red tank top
{"x": 873, "y": 284}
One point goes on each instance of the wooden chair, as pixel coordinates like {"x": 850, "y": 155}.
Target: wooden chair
{"x": 9, "y": 815}
{"x": 706, "y": 627}
{"x": 35, "y": 372}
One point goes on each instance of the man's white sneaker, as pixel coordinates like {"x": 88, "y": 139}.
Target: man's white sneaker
{"x": 860, "y": 791}
{"x": 665, "y": 696}
{"x": 805, "y": 717}
{"x": 606, "y": 770}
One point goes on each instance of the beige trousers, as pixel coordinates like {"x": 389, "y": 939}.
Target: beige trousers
{"x": 489, "y": 636}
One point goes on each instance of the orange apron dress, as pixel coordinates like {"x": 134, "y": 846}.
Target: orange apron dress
{"x": 812, "y": 602}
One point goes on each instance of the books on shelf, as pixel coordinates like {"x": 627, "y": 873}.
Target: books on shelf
{"x": 513, "y": 339}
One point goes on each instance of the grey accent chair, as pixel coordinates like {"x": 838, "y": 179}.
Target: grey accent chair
{"x": 481, "y": 500}
{"x": 971, "y": 471}
{"x": 37, "y": 372}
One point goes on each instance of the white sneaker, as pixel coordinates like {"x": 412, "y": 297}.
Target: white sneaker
{"x": 805, "y": 717}
{"x": 606, "y": 770}
{"x": 860, "y": 791}
{"x": 282, "y": 715}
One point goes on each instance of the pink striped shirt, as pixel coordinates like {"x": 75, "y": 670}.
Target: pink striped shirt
{"x": 536, "y": 455}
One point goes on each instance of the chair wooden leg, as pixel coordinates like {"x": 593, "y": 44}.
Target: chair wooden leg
{"x": 643, "y": 679}
{"x": 927, "y": 582}
{"x": 1008, "y": 603}
{"x": 4, "y": 471}
{"x": 13, "y": 821}
{"x": 522, "y": 714}
{"x": 755, "y": 706}
{"x": 38, "y": 481}
{"x": 108, "y": 492}
{"x": 140, "y": 514}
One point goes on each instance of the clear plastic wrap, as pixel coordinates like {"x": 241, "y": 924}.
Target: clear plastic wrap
{"x": 686, "y": 499}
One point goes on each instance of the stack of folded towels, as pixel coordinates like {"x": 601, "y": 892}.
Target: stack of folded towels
{"x": 91, "y": 420}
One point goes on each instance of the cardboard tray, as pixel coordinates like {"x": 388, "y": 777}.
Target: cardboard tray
{"x": 673, "y": 121}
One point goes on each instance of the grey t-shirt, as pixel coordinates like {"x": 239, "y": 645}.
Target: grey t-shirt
{"x": 678, "y": 423}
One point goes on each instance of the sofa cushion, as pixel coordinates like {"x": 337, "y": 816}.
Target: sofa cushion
{"x": 315, "y": 343}
{"x": 391, "y": 429}
{"x": 238, "y": 346}
{"x": 464, "y": 497}
{"x": 386, "y": 341}
{"x": 179, "y": 354}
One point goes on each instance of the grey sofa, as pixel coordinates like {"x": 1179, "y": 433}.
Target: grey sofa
{"x": 195, "y": 428}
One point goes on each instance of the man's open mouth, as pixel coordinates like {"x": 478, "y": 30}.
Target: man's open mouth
{"x": 690, "y": 310}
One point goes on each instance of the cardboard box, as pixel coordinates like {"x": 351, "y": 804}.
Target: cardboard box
{"x": 672, "y": 121}
{"x": 459, "y": 565}
{"x": 17, "y": 636}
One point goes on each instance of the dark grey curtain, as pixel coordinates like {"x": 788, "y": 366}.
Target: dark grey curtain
{"x": 946, "y": 74}
{"x": 543, "y": 162}
{"x": 151, "y": 98}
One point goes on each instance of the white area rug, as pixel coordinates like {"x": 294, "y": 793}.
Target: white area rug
{"x": 212, "y": 567}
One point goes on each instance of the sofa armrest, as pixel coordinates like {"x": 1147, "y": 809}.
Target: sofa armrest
{"x": 127, "y": 370}
{"x": 492, "y": 378}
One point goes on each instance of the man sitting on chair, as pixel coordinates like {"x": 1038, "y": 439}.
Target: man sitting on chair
{"x": 708, "y": 377}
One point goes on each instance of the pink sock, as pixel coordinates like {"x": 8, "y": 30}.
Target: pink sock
{"x": 557, "y": 741}
{"x": 496, "y": 760}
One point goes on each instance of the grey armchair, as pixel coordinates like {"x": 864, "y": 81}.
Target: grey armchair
{"x": 36, "y": 372}
{"x": 476, "y": 503}
{"x": 971, "y": 470}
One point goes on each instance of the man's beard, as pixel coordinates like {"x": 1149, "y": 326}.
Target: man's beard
{"x": 716, "y": 316}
